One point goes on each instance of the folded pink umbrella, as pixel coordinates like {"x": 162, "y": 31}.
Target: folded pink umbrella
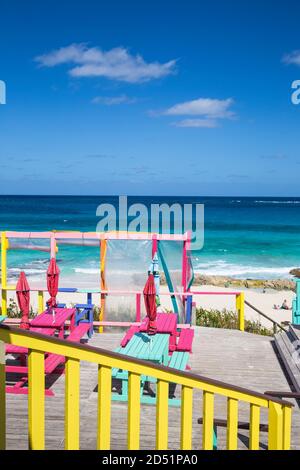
{"x": 52, "y": 282}
{"x": 150, "y": 304}
{"x": 23, "y": 297}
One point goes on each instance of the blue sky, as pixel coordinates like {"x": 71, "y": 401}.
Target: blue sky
{"x": 153, "y": 97}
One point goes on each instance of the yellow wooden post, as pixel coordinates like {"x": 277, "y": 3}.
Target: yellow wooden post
{"x": 240, "y": 307}
{"x": 186, "y": 418}
{"x": 72, "y": 396}
{"x": 2, "y": 398}
{"x": 36, "y": 400}
{"x": 287, "y": 427}
{"x": 104, "y": 408}
{"x": 254, "y": 427}
{"x": 208, "y": 421}
{"x": 134, "y": 411}
{"x": 4, "y": 246}
{"x": 162, "y": 410}
{"x": 40, "y": 301}
{"x": 232, "y": 423}
{"x": 275, "y": 426}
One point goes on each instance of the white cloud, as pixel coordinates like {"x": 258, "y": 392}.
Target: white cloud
{"x": 208, "y": 123}
{"x": 113, "y": 100}
{"x": 292, "y": 58}
{"x": 207, "y": 107}
{"x": 209, "y": 111}
{"x": 115, "y": 64}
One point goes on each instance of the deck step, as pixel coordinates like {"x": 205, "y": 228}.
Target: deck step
{"x": 294, "y": 330}
{"x": 285, "y": 347}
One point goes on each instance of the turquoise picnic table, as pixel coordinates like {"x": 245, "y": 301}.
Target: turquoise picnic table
{"x": 148, "y": 348}
{"x": 154, "y": 349}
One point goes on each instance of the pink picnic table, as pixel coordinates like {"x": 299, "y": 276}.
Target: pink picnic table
{"x": 57, "y": 321}
{"x": 166, "y": 324}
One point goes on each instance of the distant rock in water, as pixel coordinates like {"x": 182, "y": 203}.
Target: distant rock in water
{"x": 295, "y": 272}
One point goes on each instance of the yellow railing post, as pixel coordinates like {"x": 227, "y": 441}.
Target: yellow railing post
{"x": 4, "y": 246}
{"x": 162, "y": 415}
{"x": 134, "y": 411}
{"x": 232, "y": 423}
{"x": 40, "y": 301}
{"x": 186, "y": 418}
{"x": 208, "y": 421}
{"x": 275, "y": 426}
{"x": 287, "y": 427}
{"x": 72, "y": 394}
{"x": 36, "y": 400}
{"x": 240, "y": 307}
{"x": 104, "y": 408}
{"x": 254, "y": 427}
{"x": 2, "y": 397}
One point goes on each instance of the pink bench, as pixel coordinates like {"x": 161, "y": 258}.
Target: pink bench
{"x": 129, "y": 334}
{"x": 51, "y": 363}
{"x": 12, "y": 349}
{"x": 53, "y": 360}
{"x": 185, "y": 340}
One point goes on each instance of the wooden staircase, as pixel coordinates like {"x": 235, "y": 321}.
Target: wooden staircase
{"x": 288, "y": 346}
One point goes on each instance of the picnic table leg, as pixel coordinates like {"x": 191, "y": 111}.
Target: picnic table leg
{"x": 23, "y": 360}
{"x": 91, "y": 319}
{"x": 125, "y": 389}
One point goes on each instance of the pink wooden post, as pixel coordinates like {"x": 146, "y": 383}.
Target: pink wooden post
{"x": 138, "y": 307}
{"x": 52, "y": 246}
{"x": 154, "y": 245}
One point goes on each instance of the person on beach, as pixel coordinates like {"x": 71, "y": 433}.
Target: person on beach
{"x": 284, "y": 306}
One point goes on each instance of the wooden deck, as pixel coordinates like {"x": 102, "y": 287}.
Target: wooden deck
{"x": 232, "y": 356}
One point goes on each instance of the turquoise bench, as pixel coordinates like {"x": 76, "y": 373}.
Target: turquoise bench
{"x": 2, "y": 318}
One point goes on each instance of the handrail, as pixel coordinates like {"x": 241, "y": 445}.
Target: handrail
{"x": 139, "y": 362}
{"x": 266, "y": 316}
{"x": 279, "y": 411}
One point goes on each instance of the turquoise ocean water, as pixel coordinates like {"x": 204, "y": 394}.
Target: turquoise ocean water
{"x": 244, "y": 237}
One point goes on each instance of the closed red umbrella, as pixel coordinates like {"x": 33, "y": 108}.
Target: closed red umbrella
{"x": 23, "y": 297}
{"x": 150, "y": 304}
{"x": 52, "y": 282}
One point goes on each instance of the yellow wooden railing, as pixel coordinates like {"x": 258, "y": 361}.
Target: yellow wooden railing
{"x": 279, "y": 411}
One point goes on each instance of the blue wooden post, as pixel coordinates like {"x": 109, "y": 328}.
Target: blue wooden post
{"x": 296, "y": 304}
{"x": 189, "y": 305}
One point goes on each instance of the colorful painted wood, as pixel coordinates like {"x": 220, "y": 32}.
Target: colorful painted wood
{"x": 166, "y": 323}
{"x": 52, "y": 362}
{"x": 141, "y": 346}
{"x": 129, "y": 334}
{"x": 58, "y": 320}
{"x": 296, "y": 305}
{"x": 84, "y": 314}
{"x": 11, "y": 349}
{"x": 185, "y": 340}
